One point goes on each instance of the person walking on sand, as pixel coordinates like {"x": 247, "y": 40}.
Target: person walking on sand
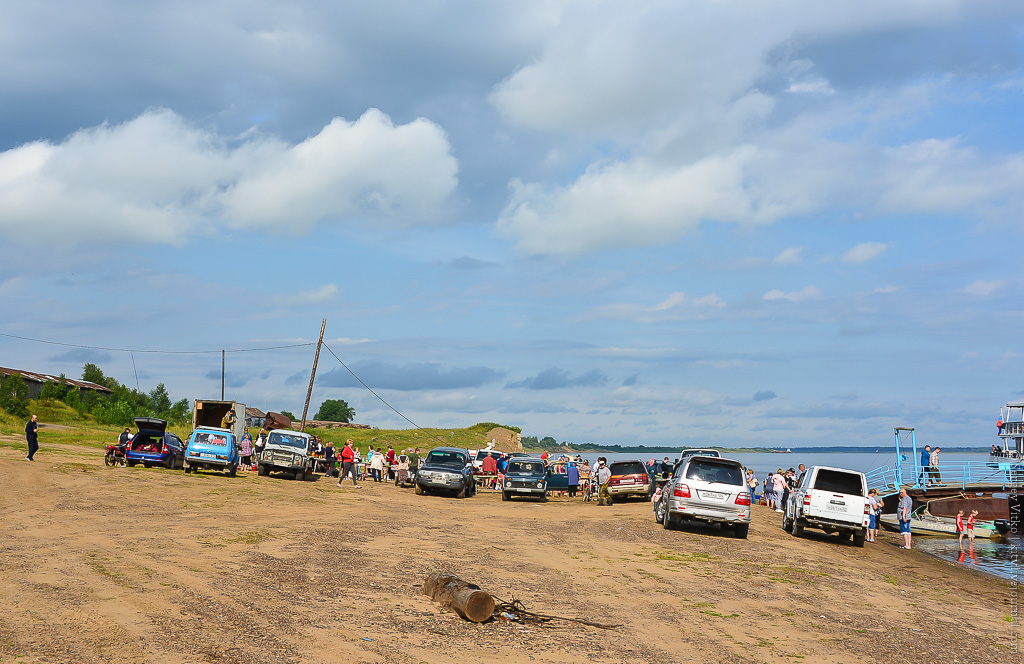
{"x": 31, "y": 435}
{"x": 903, "y": 514}
{"x": 603, "y": 476}
{"x": 934, "y": 460}
{"x": 348, "y": 464}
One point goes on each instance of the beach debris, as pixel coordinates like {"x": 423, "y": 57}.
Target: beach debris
{"x": 463, "y": 597}
{"x": 516, "y": 611}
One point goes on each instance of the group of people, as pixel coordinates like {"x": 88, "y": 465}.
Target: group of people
{"x": 777, "y": 486}
{"x": 929, "y": 472}
{"x": 378, "y": 464}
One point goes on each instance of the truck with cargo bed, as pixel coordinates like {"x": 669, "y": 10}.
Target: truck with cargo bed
{"x": 208, "y": 413}
{"x": 832, "y": 499}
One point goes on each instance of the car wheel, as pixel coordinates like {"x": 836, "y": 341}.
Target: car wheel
{"x": 419, "y": 490}
{"x": 797, "y": 530}
{"x": 131, "y": 464}
{"x": 170, "y": 463}
{"x": 741, "y": 530}
{"x": 461, "y": 493}
{"x": 232, "y": 470}
{"x": 659, "y": 512}
{"x": 109, "y": 459}
{"x": 505, "y": 496}
{"x": 858, "y": 540}
{"x": 786, "y": 523}
{"x": 146, "y": 465}
{"x": 262, "y": 471}
{"x": 188, "y": 468}
{"x": 668, "y": 521}
{"x": 544, "y": 498}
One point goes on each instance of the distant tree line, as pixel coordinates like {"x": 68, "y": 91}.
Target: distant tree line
{"x": 119, "y": 407}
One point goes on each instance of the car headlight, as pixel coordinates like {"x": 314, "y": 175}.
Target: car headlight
{"x": 540, "y": 485}
{"x": 508, "y": 484}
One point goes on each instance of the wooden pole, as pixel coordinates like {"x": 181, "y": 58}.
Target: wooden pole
{"x": 222, "y": 375}
{"x": 465, "y": 598}
{"x": 309, "y": 392}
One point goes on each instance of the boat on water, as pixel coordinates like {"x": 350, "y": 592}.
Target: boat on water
{"x": 1010, "y": 451}
{"x": 926, "y": 524}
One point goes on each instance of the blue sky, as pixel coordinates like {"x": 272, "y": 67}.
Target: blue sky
{"x": 778, "y": 223}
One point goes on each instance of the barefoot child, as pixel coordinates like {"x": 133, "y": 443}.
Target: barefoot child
{"x": 960, "y": 528}
{"x": 970, "y": 525}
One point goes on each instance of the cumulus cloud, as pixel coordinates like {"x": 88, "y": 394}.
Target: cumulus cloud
{"x": 982, "y": 288}
{"x": 320, "y": 295}
{"x": 554, "y": 378}
{"x": 806, "y": 293}
{"x": 760, "y": 123}
{"x": 790, "y": 256}
{"x": 864, "y": 252}
{"x": 159, "y": 179}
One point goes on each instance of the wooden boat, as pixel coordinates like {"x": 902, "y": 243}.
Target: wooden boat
{"x": 925, "y": 524}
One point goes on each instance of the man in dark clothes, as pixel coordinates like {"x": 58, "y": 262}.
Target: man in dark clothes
{"x": 33, "y": 440}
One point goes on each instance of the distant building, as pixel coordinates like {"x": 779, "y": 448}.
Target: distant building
{"x": 35, "y": 382}
{"x": 254, "y": 417}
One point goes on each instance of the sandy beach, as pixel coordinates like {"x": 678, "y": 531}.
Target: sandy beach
{"x": 148, "y": 565}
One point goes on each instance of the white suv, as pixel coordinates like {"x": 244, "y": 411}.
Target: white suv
{"x": 709, "y": 489}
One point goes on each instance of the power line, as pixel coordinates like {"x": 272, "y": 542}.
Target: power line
{"x": 370, "y": 390}
{"x": 165, "y": 352}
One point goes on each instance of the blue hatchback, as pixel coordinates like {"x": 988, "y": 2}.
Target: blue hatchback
{"x": 154, "y": 446}
{"x": 212, "y": 448}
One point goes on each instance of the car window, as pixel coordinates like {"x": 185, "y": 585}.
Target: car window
{"x": 287, "y": 440}
{"x": 524, "y": 468}
{"x": 709, "y": 471}
{"x": 838, "y": 482}
{"x": 446, "y": 458}
{"x": 208, "y": 438}
{"x": 628, "y": 468}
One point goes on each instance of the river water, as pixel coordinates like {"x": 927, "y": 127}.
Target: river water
{"x": 1003, "y": 558}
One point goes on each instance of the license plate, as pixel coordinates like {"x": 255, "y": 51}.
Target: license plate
{"x": 836, "y": 508}
{"x": 523, "y": 490}
{"x": 208, "y": 456}
{"x": 627, "y": 481}
{"x": 714, "y": 495}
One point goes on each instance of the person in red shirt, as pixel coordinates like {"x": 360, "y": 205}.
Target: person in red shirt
{"x": 960, "y": 528}
{"x": 390, "y": 458}
{"x": 490, "y": 468}
{"x": 348, "y": 466}
{"x": 970, "y": 525}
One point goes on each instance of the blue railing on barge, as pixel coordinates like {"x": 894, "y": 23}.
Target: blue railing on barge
{"x": 963, "y": 475}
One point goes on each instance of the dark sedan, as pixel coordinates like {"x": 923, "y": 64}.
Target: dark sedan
{"x": 154, "y": 446}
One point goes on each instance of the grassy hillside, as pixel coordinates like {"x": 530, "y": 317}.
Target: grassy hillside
{"x": 63, "y": 425}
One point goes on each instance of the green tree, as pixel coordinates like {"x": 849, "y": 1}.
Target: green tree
{"x": 335, "y": 410}
{"x": 548, "y": 441}
{"x": 160, "y": 401}
{"x": 14, "y": 395}
{"x": 55, "y": 391}
{"x": 93, "y": 374}
{"x": 289, "y": 415}
{"x": 180, "y": 411}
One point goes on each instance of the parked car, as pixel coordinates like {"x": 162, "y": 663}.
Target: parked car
{"x": 695, "y": 451}
{"x": 211, "y": 448}
{"x": 478, "y": 457}
{"x": 286, "y": 451}
{"x": 710, "y": 489}
{"x": 832, "y": 499}
{"x": 525, "y": 476}
{"x": 446, "y": 469}
{"x": 154, "y": 446}
{"x": 629, "y": 478}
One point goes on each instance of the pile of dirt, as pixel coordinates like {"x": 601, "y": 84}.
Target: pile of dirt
{"x": 504, "y": 439}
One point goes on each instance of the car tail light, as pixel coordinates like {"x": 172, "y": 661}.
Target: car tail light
{"x": 743, "y": 498}
{"x": 867, "y": 508}
{"x": 681, "y": 491}
{"x": 807, "y": 499}
{"x": 164, "y": 450}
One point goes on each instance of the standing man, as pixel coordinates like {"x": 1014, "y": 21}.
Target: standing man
{"x": 33, "y": 440}
{"x": 414, "y": 463}
{"x": 903, "y": 514}
{"x": 666, "y": 469}
{"x": 803, "y": 471}
{"x": 936, "y": 476}
{"x": 926, "y": 461}
{"x": 603, "y": 476}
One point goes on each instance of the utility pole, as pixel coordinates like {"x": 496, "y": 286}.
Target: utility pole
{"x": 222, "y": 375}
{"x": 309, "y": 392}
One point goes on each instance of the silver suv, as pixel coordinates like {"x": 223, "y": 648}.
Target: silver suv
{"x": 706, "y": 489}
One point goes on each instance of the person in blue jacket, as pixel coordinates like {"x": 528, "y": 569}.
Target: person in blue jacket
{"x": 574, "y": 478}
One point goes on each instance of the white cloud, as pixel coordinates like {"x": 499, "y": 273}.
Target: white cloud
{"x": 679, "y": 299}
{"x": 316, "y": 296}
{"x": 158, "y": 179}
{"x": 806, "y": 293}
{"x": 789, "y": 256}
{"x": 864, "y": 252}
{"x": 982, "y": 288}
